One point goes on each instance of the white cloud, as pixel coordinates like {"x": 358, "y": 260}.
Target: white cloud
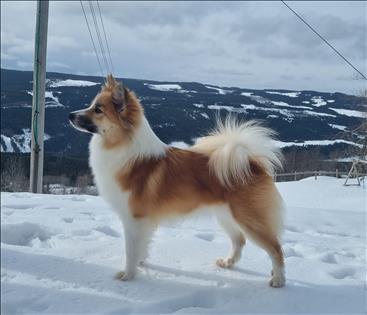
{"x": 24, "y": 65}
{"x": 247, "y": 44}
{"x": 5, "y": 56}
{"x": 56, "y": 64}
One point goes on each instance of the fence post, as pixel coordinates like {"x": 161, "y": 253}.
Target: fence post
{"x": 337, "y": 173}
{"x": 315, "y": 175}
{"x": 295, "y": 175}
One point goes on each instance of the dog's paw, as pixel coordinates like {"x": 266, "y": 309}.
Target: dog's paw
{"x": 225, "y": 262}
{"x": 277, "y": 281}
{"x": 123, "y": 276}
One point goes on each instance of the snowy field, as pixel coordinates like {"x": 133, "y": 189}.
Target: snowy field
{"x": 60, "y": 253}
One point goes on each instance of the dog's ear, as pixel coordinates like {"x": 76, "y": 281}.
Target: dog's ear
{"x": 110, "y": 82}
{"x": 120, "y": 98}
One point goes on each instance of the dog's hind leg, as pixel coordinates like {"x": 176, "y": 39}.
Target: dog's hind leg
{"x": 272, "y": 246}
{"x": 227, "y": 222}
{"x": 138, "y": 233}
{"x": 258, "y": 210}
{"x": 258, "y": 226}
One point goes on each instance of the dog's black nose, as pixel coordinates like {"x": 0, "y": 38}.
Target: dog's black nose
{"x": 71, "y": 116}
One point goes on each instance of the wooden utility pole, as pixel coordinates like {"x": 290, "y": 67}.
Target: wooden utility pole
{"x": 38, "y": 104}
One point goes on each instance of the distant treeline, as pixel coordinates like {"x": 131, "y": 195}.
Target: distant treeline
{"x": 15, "y": 170}
{"x": 75, "y": 171}
{"x": 54, "y": 165}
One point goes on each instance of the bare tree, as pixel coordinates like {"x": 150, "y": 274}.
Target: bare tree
{"x": 83, "y": 182}
{"x": 14, "y": 175}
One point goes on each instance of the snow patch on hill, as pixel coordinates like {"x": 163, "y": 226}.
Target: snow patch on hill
{"x": 289, "y": 94}
{"x": 50, "y": 95}
{"x": 205, "y": 115}
{"x": 168, "y": 88}
{"x": 55, "y": 100}
{"x": 282, "y": 144}
{"x": 219, "y": 90}
{"x": 226, "y": 108}
{"x": 165, "y": 87}
{"x": 19, "y": 143}
{"x": 349, "y": 112}
{"x": 70, "y": 82}
{"x": 247, "y": 94}
{"x": 308, "y": 112}
{"x": 284, "y": 104}
{"x": 318, "y": 101}
{"x": 288, "y": 115}
{"x": 7, "y": 147}
{"x": 340, "y": 127}
{"x": 23, "y": 141}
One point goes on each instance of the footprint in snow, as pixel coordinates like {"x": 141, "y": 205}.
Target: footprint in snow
{"x": 342, "y": 273}
{"x": 291, "y": 252}
{"x": 22, "y": 196}
{"x": 209, "y": 237}
{"x": 348, "y": 254}
{"x": 108, "y": 231}
{"x": 68, "y": 220}
{"x": 89, "y": 214}
{"x": 294, "y": 229}
{"x": 86, "y": 213}
{"x": 333, "y": 233}
{"x": 51, "y": 208}
{"x": 289, "y": 241}
{"x": 20, "y": 207}
{"x": 81, "y": 232}
{"x": 24, "y": 234}
{"x": 75, "y": 198}
{"x": 328, "y": 258}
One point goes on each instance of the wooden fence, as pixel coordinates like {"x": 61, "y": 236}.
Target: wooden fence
{"x": 283, "y": 177}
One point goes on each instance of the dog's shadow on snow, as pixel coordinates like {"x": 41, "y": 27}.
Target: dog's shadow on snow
{"x": 84, "y": 274}
{"x": 220, "y": 279}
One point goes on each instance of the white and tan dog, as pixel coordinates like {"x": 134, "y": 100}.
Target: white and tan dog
{"x": 146, "y": 181}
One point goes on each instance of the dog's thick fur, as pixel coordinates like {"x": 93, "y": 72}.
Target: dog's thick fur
{"x": 146, "y": 181}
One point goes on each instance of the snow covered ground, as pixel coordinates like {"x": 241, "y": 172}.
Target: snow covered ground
{"x": 59, "y": 255}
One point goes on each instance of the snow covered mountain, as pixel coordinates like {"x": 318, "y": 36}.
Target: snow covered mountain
{"x": 178, "y": 111}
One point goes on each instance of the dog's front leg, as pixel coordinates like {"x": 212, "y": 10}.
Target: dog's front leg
{"x": 137, "y": 236}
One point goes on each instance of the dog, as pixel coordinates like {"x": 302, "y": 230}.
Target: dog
{"x": 146, "y": 181}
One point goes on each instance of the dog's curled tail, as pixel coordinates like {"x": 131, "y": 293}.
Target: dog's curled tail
{"x": 233, "y": 146}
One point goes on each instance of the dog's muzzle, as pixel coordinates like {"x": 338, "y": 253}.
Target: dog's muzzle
{"x": 82, "y": 123}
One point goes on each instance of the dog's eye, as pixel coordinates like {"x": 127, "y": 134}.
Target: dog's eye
{"x": 98, "y": 110}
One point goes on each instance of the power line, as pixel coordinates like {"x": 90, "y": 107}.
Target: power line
{"x": 105, "y": 37}
{"x": 99, "y": 36}
{"x": 91, "y": 37}
{"x": 326, "y": 42}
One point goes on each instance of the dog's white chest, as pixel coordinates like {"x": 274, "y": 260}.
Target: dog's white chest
{"x": 105, "y": 166}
